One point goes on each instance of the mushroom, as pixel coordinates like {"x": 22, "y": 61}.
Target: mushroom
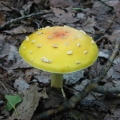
{"x": 59, "y": 50}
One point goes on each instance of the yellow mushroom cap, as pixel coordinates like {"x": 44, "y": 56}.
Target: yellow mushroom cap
{"x": 59, "y": 49}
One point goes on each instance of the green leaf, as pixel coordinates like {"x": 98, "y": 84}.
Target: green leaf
{"x": 12, "y": 101}
{"x": 77, "y": 9}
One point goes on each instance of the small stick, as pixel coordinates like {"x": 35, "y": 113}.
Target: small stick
{"x": 20, "y": 18}
{"x": 4, "y": 87}
{"x": 110, "y": 90}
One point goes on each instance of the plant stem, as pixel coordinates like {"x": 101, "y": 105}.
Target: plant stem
{"x": 57, "y": 80}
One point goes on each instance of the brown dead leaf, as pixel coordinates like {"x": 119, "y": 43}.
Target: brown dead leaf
{"x": 20, "y": 64}
{"x": 39, "y": 75}
{"x": 72, "y": 78}
{"x": 29, "y": 103}
{"x": 87, "y": 3}
{"x": 2, "y": 18}
{"x": 43, "y": 77}
{"x": 117, "y": 60}
{"x": 29, "y": 74}
{"x": 116, "y": 71}
{"x": 27, "y": 6}
{"x": 113, "y": 73}
{"x": 3, "y": 7}
{"x": 114, "y": 116}
{"x": 10, "y": 52}
{"x": 115, "y": 35}
{"x": 32, "y": 71}
{"x": 117, "y": 10}
{"x": 104, "y": 20}
{"x": 37, "y": 1}
{"x": 62, "y": 17}
{"x": 59, "y": 3}
{"x": 21, "y": 85}
{"x": 55, "y": 98}
{"x": 20, "y": 29}
{"x": 111, "y": 2}
{"x": 88, "y": 24}
{"x": 64, "y": 3}
{"x": 28, "y": 78}
{"x": 100, "y": 7}
{"x": 81, "y": 16}
{"x": 2, "y": 40}
{"x": 80, "y": 87}
{"x": 117, "y": 83}
{"x": 103, "y": 54}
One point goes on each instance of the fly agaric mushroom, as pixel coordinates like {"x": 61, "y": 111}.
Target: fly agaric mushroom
{"x": 59, "y": 50}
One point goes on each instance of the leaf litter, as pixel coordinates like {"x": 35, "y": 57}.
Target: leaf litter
{"x": 29, "y": 103}
{"x": 100, "y": 19}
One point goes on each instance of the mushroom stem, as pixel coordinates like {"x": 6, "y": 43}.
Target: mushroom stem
{"x": 57, "y": 80}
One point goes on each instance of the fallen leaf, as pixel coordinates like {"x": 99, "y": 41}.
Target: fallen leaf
{"x": 20, "y": 29}
{"x": 30, "y": 101}
{"x": 39, "y": 75}
{"x": 115, "y": 35}
{"x": 10, "y": 51}
{"x": 117, "y": 10}
{"x": 72, "y": 78}
{"x": 116, "y": 5}
{"x": 99, "y": 6}
{"x": 117, "y": 60}
{"x": 116, "y": 82}
{"x": 12, "y": 101}
{"x": 113, "y": 73}
{"x": 80, "y": 15}
{"x": 62, "y": 17}
{"x": 2, "y": 18}
{"x": 88, "y": 24}
{"x": 55, "y": 98}
{"x": 13, "y": 54}
{"x": 110, "y": 72}
{"x": 3, "y": 7}
{"x": 2, "y": 40}
{"x": 28, "y": 6}
{"x": 32, "y": 71}
{"x": 10, "y": 55}
{"x": 20, "y": 64}
{"x": 81, "y": 86}
{"x": 37, "y": 1}
{"x": 103, "y": 20}
{"x": 111, "y": 2}
{"x": 29, "y": 73}
{"x": 103, "y": 54}
{"x": 90, "y": 97}
{"x": 21, "y": 85}
{"x": 44, "y": 77}
{"x": 16, "y": 73}
{"x": 114, "y": 116}
{"x": 59, "y": 3}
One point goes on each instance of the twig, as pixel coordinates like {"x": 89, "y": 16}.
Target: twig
{"x": 4, "y": 87}
{"x": 23, "y": 17}
{"x": 105, "y": 4}
{"x": 101, "y": 89}
{"x": 38, "y": 23}
{"x": 73, "y": 101}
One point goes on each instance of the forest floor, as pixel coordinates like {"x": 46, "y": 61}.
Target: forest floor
{"x": 25, "y": 92}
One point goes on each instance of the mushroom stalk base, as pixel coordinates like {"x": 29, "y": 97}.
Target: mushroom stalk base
{"x": 57, "y": 80}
